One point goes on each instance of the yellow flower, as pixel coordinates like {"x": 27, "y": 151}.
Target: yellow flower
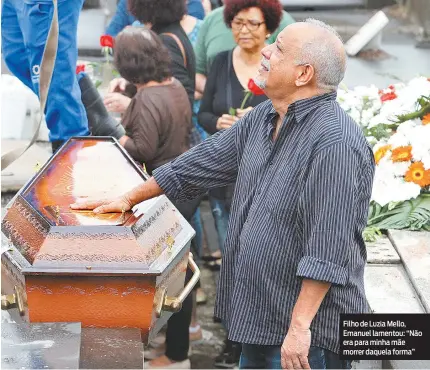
{"x": 426, "y": 119}
{"x": 380, "y": 153}
{"x": 402, "y": 154}
{"x": 418, "y": 175}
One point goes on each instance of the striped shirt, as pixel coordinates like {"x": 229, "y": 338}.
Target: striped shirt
{"x": 299, "y": 208}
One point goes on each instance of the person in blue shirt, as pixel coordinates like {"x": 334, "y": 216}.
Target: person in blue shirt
{"x": 123, "y": 18}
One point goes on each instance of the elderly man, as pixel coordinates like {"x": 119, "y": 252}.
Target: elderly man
{"x": 294, "y": 255}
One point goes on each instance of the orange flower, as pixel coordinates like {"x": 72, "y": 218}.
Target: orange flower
{"x": 402, "y": 154}
{"x": 426, "y": 119}
{"x": 418, "y": 175}
{"x": 380, "y": 153}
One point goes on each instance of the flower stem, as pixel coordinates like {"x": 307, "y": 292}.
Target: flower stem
{"x": 248, "y": 94}
{"x": 406, "y": 117}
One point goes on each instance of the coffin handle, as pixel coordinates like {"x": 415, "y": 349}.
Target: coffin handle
{"x": 13, "y": 301}
{"x": 174, "y": 304}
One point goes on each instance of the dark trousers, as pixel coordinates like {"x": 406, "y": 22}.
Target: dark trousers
{"x": 269, "y": 357}
{"x": 177, "y": 334}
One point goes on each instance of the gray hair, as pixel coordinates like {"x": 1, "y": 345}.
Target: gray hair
{"x": 324, "y": 56}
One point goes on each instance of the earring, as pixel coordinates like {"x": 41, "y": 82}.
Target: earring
{"x": 268, "y": 35}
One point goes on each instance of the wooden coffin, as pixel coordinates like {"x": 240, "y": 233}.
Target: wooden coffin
{"x": 111, "y": 270}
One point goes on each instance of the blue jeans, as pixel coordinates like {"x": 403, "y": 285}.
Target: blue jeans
{"x": 196, "y": 223}
{"x": 25, "y": 25}
{"x": 221, "y": 217}
{"x": 269, "y": 357}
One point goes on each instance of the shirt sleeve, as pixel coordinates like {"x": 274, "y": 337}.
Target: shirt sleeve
{"x": 329, "y": 203}
{"x": 120, "y": 20}
{"x": 206, "y": 117}
{"x": 200, "y": 47}
{"x": 195, "y": 9}
{"x": 212, "y": 164}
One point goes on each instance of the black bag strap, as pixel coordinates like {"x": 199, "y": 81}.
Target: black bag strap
{"x": 46, "y": 71}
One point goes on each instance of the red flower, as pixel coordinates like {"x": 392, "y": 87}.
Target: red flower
{"x": 80, "y": 68}
{"x": 254, "y": 88}
{"x": 388, "y": 96}
{"x": 391, "y": 87}
{"x": 106, "y": 41}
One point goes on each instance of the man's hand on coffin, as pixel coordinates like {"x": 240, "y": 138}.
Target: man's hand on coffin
{"x": 121, "y": 204}
{"x": 116, "y": 102}
{"x": 149, "y": 189}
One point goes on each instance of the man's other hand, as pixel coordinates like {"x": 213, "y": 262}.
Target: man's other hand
{"x": 295, "y": 349}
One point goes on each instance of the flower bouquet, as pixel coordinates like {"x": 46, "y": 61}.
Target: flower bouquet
{"x": 396, "y": 121}
{"x": 380, "y": 112}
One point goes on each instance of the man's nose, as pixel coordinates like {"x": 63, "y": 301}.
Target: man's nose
{"x": 265, "y": 52}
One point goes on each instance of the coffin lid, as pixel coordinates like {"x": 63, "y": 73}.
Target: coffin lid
{"x": 53, "y": 238}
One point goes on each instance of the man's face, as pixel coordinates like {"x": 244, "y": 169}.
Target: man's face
{"x": 278, "y": 70}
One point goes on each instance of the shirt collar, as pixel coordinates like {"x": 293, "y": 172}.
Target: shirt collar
{"x": 301, "y": 108}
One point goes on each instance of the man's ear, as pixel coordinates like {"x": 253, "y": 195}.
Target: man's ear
{"x": 305, "y": 74}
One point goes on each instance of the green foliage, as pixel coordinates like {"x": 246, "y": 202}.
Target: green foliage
{"x": 412, "y": 214}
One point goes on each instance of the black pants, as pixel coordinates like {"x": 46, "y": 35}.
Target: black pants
{"x": 177, "y": 334}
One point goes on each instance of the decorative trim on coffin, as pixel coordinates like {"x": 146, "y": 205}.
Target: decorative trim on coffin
{"x": 25, "y": 228}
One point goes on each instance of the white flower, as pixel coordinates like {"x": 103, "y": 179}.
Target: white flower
{"x": 420, "y": 141}
{"x": 388, "y": 189}
{"x": 398, "y": 140}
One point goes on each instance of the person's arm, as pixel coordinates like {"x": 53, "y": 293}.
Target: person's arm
{"x": 200, "y": 83}
{"x": 195, "y": 9}
{"x": 120, "y": 20}
{"x": 211, "y": 164}
{"x": 329, "y": 202}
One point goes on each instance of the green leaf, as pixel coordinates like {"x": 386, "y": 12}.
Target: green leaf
{"x": 232, "y": 112}
{"x": 412, "y": 214}
{"x": 371, "y": 234}
{"x": 97, "y": 84}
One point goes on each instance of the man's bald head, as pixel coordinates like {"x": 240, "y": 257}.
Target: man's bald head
{"x": 319, "y": 45}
